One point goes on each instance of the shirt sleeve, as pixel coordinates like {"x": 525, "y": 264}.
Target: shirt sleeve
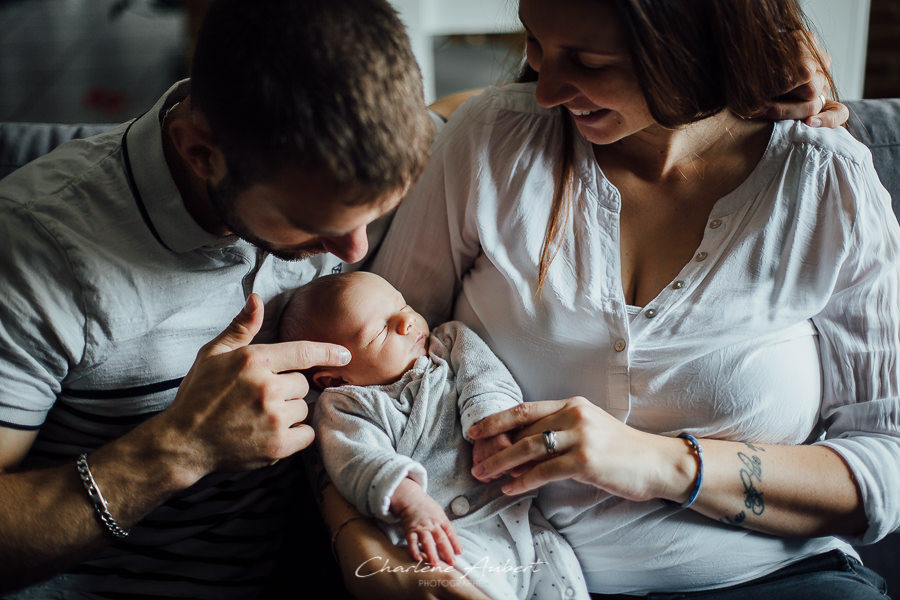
{"x": 358, "y": 451}
{"x": 42, "y": 320}
{"x": 484, "y": 384}
{"x": 859, "y": 340}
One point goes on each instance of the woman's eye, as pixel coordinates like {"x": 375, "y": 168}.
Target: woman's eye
{"x": 588, "y": 62}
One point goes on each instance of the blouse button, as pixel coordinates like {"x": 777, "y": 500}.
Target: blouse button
{"x": 678, "y": 285}
{"x": 460, "y": 506}
{"x": 650, "y": 313}
{"x": 715, "y": 223}
{"x": 701, "y": 256}
{"x": 620, "y": 345}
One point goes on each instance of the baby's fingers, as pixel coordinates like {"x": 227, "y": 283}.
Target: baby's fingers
{"x": 412, "y": 541}
{"x": 428, "y": 545}
{"x": 449, "y": 543}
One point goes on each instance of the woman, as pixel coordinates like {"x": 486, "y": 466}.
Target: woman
{"x": 627, "y": 239}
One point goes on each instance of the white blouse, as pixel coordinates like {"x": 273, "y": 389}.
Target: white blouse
{"x": 783, "y": 328}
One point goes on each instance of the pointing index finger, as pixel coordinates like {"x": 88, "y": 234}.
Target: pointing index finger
{"x": 513, "y": 418}
{"x": 296, "y": 356}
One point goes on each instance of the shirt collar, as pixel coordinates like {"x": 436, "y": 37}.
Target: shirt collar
{"x": 153, "y": 181}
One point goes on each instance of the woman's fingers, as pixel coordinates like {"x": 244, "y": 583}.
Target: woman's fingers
{"x": 556, "y": 469}
{"x": 528, "y": 449}
{"x": 484, "y": 448}
{"x": 834, "y": 114}
{"x": 514, "y": 418}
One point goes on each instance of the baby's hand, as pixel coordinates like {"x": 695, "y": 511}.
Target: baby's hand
{"x": 429, "y": 533}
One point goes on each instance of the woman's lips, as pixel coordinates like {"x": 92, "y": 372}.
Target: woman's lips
{"x": 588, "y": 117}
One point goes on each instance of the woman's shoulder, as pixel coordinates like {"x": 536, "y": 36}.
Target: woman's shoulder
{"x": 831, "y": 174}
{"x": 510, "y": 97}
{"x": 501, "y": 106}
{"x": 501, "y": 122}
{"x": 824, "y": 142}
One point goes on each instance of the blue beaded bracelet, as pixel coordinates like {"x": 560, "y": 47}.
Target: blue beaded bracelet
{"x": 698, "y": 482}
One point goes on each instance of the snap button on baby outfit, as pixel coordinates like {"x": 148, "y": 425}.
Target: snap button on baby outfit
{"x": 701, "y": 256}
{"x": 678, "y": 284}
{"x": 619, "y": 345}
{"x": 460, "y": 506}
{"x": 650, "y": 313}
{"x": 715, "y": 223}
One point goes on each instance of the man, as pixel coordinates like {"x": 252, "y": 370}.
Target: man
{"x": 136, "y": 455}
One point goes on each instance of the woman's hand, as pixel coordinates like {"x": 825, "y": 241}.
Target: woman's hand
{"x": 808, "y": 100}
{"x": 808, "y": 490}
{"x": 593, "y": 447}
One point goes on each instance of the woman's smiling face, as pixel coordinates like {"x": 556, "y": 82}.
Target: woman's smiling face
{"x": 579, "y": 50}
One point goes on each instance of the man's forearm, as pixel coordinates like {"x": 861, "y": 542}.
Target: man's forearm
{"x": 48, "y": 520}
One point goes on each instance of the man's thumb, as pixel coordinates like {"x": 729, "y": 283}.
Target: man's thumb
{"x": 242, "y": 329}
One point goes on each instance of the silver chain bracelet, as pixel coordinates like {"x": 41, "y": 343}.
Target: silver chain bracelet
{"x": 97, "y": 499}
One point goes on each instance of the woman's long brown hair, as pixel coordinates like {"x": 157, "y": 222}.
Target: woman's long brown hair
{"x": 693, "y": 59}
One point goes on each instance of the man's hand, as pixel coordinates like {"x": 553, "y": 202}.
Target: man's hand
{"x": 241, "y": 406}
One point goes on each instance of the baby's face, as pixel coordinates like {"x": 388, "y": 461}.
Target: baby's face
{"x": 384, "y": 335}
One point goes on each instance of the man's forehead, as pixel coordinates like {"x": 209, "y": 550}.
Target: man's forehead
{"x": 334, "y": 218}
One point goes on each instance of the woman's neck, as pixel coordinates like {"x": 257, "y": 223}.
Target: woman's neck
{"x": 658, "y": 154}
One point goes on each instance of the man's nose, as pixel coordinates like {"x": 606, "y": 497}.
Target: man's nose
{"x": 351, "y": 247}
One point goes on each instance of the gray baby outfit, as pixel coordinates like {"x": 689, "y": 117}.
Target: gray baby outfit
{"x": 373, "y": 437}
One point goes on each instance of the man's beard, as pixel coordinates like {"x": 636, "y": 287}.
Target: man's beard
{"x": 224, "y": 198}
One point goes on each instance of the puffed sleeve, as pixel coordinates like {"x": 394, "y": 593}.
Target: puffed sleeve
{"x": 42, "y": 318}
{"x": 358, "y": 451}
{"x": 859, "y": 334}
{"x": 432, "y": 240}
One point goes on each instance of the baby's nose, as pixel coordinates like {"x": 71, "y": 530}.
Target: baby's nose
{"x": 405, "y": 324}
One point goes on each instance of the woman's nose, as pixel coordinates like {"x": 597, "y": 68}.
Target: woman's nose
{"x": 554, "y": 85}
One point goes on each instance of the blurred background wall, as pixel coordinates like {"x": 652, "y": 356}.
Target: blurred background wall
{"x": 109, "y": 60}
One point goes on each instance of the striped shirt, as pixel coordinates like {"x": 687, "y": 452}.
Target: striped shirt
{"x": 109, "y": 290}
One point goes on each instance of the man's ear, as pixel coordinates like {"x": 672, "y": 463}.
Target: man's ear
{"x": 325, "y": 379}
{"x": 194, "y": 143}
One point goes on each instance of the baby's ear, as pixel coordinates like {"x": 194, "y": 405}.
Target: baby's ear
{"x": 326, "y": 379}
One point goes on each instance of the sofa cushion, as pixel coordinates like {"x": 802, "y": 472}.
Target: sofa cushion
{"x": 23, "y": 142}
{"x": 876, "y": 123}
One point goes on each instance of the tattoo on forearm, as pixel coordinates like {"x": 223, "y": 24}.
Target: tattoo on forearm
{"x": 751, "y": 474}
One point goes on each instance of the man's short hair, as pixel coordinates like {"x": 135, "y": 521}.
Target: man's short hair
{"x": 327, "y": 86}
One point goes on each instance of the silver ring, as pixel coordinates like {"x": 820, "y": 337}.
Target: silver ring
{"x": 550, "y": 442}
{"x": 823, "y": 99}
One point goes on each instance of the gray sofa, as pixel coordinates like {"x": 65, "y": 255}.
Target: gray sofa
{"x": 875, "y": 122}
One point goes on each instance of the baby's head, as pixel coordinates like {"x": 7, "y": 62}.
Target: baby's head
{"x": 365, "y": 314}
